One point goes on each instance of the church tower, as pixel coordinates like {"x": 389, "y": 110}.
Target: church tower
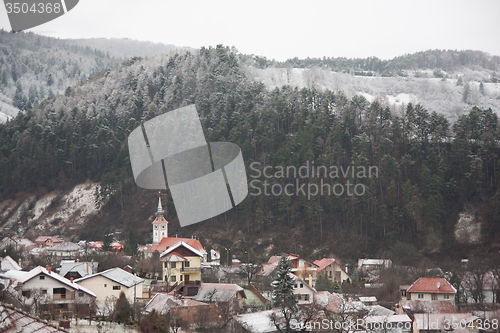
{"x": 160, "y": 225}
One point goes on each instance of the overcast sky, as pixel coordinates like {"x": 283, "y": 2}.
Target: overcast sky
{"x": 287, "y": 29}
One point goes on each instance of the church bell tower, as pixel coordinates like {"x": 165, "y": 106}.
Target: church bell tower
{"x": 160, "y": 225}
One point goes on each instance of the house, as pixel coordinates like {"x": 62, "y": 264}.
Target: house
{"x": 9, "y": 264}
{"x": 182, "y": 265}
{"x": 54, "y": 289}
{"x": 367, "y": 265}
{"x": 189, "y": 311}
{"x": 441, "y": 322}
{"x": 47, "y": 241}
{"x": 229, "y": 296}
{"x": 427, "y": 289}
{"x": 13, "y": 320}
{"x": 75, "y": 269}
{"x": 301, "y": 267}
{"x": 64, "y": 250}
{"x": 335, "y": 303}
{"x": 302, "y": 290}
{"x": 18, "y": 244}
{"x": 111, "y": 283}
{"x": 332, "y": 269}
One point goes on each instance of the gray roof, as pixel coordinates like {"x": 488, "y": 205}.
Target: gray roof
{"x": 82, "y": 268}
{"x": 15, "y": 320}
{"x": 117, "y": 275}
{"x": 218, "y": 292}
{"x": 378, "y": 310}
{"x": 65, "y": 246}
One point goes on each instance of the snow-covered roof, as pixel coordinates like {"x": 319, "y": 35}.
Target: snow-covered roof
{"x": 82, "y": 268}
{"x": 162, "y": 303}
{"x": 40, "y": 270}
{"x": 9, "y": 264}
{"x": 179, "y": 244}
{"x": 117, "y": 275}
{"x": 221, "y": 292}
{"x": 257, "y": 322}
{"x": 66, "y": 246}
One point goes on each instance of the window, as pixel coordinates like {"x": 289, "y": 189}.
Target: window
{"x": 44, "y": 291}
{"x": 403, "y": 293}
{"x": 173, "y": 265}
{"x": 80, "y": 294}
{"x": 301, "y": 285}
{"x": 420, "y": 295}
{"x": 295, "y": 286}
{"x": 172, "y": 278}
{"x": 330, "y": 274}
{"x": 166, "y": 265}
{"x": 434, "y": 297}
{"x": 105, "y": 285}
{"x": 156, "y": 227}
{"x": 163, "y": 226}
{"x": 27, "y": 293}
{"x": 42, "y": 277}
{"x": 306, "y": 297}
{"x": 186, "y": 264}
{"x": 117, "y": 287}
{"x": 446, "y": 296}
{"x": 184, "y": 252}
{"x": 180, "y": 278}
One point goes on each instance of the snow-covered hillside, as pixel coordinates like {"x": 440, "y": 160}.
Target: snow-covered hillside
{"x": 442, "y": 95}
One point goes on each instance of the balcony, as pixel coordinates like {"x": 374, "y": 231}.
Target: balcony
{"x": 63, "y": 297}
{"x": 190, "y": 270}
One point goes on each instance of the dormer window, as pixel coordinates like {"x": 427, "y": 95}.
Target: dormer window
{"x": 156, "y": 227}
{"x": 163, "y": 226}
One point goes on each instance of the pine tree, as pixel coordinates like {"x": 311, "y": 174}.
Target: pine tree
{"x": 107, "y": 238}
{"x": 283, "y": 297}
{"x": 19, "y": 100}
{"x": 131, "y": 244}
{"x": 283, "y": 285}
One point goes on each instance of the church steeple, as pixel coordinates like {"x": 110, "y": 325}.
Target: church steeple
{"x": 160, "y": 209}
{"x": 160, "y": 225}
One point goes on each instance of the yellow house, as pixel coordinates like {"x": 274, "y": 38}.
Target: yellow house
{"x": 182, "y": 267}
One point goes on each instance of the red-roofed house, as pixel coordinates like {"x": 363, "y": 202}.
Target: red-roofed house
{"x": 427, "y": 289}
{"x": 47, "y": 241}
{"x": 301, "y": 267}
{"x": 332, "y": 269}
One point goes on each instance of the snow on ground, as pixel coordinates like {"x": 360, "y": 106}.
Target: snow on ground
{"x": 468, "y": 228}
{"x": 85, "y": 327}
{"x": 435, "y": 94}
{"x": 74, "y": 207}
{"x": 42, "y": 204}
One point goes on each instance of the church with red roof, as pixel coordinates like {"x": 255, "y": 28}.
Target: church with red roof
{"x": 161, "y": 240}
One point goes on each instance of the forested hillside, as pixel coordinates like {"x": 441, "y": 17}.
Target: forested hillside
{"x": 33, "y": 67}
{"x": 429, "y": 172}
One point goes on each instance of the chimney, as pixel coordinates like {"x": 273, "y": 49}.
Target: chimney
{"x": 87, "y": 267}
{"x": 48, "y": 268}
{"x": 310, "y": 281}
{"x": 71, "y": 279}
{"x": 20, "y": 263}
{"x": 77, "y": 260}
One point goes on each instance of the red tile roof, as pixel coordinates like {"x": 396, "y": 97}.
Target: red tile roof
{"x": 432, "y": 285}
{"x": 168, "y": 242}
{"x": 323, "y": 263}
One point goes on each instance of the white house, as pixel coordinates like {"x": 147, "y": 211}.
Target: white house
{"x": 430, "y": 289}
{"x": 54, "y": 289}
{"x": 111, "y": 283}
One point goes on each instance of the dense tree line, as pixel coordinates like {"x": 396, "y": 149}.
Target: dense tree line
{"x": 428, "y": 171}
{"x": 445, "y": 59}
